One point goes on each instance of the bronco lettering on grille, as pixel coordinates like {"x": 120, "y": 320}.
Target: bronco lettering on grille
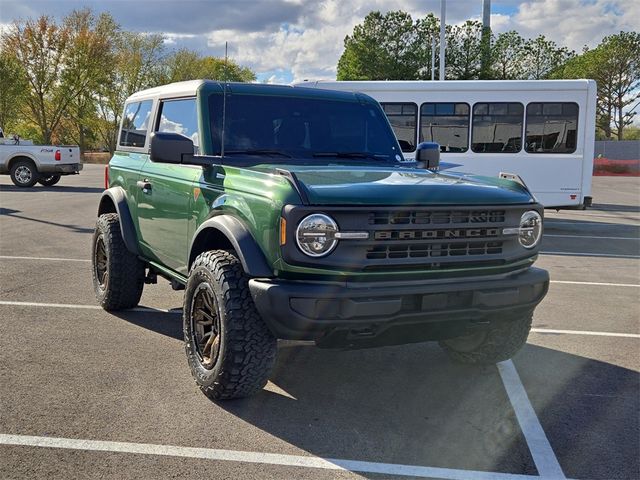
{"x": 429, "y": 234}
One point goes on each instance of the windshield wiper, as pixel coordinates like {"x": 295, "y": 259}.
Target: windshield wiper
{"x": 350, "y": 155}
{"x": 260, "y": 151}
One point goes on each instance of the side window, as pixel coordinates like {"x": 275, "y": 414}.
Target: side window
{"x": 135, "y": 124}
{"x": 446, "y": 124}
{"x": 497, "y": 127}
{"x": 403, "y": 118}
{"x": 551, "y": 127}
{"x": 180, "y": 116}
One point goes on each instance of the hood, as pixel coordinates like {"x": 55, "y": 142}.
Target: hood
{"x": 349, "y": 185}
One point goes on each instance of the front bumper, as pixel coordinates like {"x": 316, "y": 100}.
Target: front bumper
{"x": 341, "y": 314}
{"x": 63, "y": 169}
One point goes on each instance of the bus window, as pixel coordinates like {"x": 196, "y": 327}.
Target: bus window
{"x": 446, "y": 124}
{"x": 551, "y": 127}
{"x": 403, "y": 117}
{"x": 497, "y": 127}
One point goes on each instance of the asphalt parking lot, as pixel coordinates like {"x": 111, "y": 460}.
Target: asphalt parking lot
{"x": 88, "y": 394}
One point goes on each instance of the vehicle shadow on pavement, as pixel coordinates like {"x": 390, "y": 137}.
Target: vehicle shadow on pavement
{"x": 165, "y": 323}
{"x": 407, "y": 405}
{"x": 411, "y": 405}
{"x": 57, "y": 188}
{"x": 13, "y": 213}
{"x": 613, "y": 207}
{"x": 589, "y": 410}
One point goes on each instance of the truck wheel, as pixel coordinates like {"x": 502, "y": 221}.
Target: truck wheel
{"x": 24, "y": 173}
{"x": 499, "y": 342}
{"x": 49, "y": 181}
{"x": 118, "y": 274}
{"x": 230, "y": 349}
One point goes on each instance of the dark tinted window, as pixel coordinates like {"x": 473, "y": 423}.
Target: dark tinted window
{"x": 446, "y": 124}
{"x": 135, "y": 124}
{"x": 302, "y": 126}
{"x": 497, "y": 127}
{"x": 551, "y": 127}
{"x": 403, "y": 117}
{"x": 180, "y": 116}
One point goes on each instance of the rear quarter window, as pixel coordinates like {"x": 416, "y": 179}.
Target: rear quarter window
{"x": 135, "y": 124}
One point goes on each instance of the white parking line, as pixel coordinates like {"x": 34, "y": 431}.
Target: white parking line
{"x": 601, "y": 284}
{"x": 49, "y": 259}
{"x": 259, "y": 458}
{"x": 592, "y": 236}
{"x": 579, "y": 223}
{"x": 583, "y": 254}
{"x": 586, "y": 332}
{"x": 85, "y": 307}
{"x": 537, "y": 441}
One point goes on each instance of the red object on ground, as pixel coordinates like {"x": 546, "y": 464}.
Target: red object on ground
{"x": 608, "y": 167}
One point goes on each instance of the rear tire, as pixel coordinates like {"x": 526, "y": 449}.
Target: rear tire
{"x": 118, "y": 274}
{"x": 498, "y": 342}
{"x": 229, "y": 348}
{"x": 24, "y": 173}
{"x": 49, "y": 181}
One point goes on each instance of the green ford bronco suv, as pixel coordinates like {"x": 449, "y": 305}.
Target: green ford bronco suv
{"x": 287, "y": 212}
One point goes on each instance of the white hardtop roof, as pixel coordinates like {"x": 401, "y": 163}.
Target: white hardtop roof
{"x": 455, "y": 85}
{"x": 176, "y": 89}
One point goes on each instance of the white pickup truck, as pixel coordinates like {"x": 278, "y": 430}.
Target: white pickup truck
{"x": 29, "y": 164}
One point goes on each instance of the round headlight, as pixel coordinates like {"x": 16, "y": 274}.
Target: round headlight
{"x": 530, "y": 229}
{"x": 315, "y": 235}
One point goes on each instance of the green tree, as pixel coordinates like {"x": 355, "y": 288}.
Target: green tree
{"x": 463, "y": 52}
{"x": 58, "y": 64}
{"x": 87, "y": 31}
{"x": 137, "y": 63}
{"x": 186, "y": 64}
{"x": 12, "y": 87}
{"x": 507, "y": 56}
{"x": 542, "y": 57}
{"x": 615, "y": 66}
{"x": 384, "y": 47}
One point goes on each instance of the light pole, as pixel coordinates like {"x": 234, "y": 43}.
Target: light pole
{"x": 443, "y": 13}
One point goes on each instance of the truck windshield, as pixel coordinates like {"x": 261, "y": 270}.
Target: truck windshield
{"x": 315, "y": 130}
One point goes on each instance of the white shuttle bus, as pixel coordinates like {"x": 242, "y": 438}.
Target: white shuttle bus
{"x": 542, "y": 130}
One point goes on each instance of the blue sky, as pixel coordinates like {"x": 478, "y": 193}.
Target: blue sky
{"x": 292, "y": 40}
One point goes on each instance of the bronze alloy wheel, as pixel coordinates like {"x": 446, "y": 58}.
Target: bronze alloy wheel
{"x": 205, "y": 324}
{"x": 102, "y": 272}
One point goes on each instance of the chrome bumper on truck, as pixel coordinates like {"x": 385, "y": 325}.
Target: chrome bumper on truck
{"x": 339, "y": 315}
{"x": 63, "y": 169}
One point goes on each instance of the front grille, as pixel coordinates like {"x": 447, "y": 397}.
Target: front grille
{"x": 437, "y": 217}
{"x": 416, "y": 238}
{"x": 434, "y": 250}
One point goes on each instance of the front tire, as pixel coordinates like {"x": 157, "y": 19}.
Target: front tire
{"x": 230, "y": 350}
{"x": 24, "y": 173}
{"x": 118, "y": 274}
{"x": 500, "y": 341}
{"x": 49, "y": 181}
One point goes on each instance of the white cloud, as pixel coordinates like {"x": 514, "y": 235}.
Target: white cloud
{"x": 573, "y": 23}
{"x": 311, "y": 46}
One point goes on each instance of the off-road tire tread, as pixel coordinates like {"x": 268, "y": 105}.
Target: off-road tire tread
{"x": 126, "y": 270}
{"x": 250, "y": 350}
{"x": 503, "y": 341}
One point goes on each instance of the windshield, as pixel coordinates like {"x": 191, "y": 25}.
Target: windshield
{"x": 306, "y": 128}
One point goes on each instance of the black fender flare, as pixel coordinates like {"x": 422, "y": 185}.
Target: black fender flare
{"x": 253, "y": 260}
{"x": 117, "y": 197}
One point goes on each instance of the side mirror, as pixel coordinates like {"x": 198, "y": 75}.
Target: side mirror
{"x": 428, "y": 155}
{"x": 169, "y": 147}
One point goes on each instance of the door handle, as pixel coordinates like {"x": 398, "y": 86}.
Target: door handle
{"x": 144, "y": 185}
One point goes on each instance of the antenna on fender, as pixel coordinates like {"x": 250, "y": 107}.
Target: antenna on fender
{"x": 224, "y": 99}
